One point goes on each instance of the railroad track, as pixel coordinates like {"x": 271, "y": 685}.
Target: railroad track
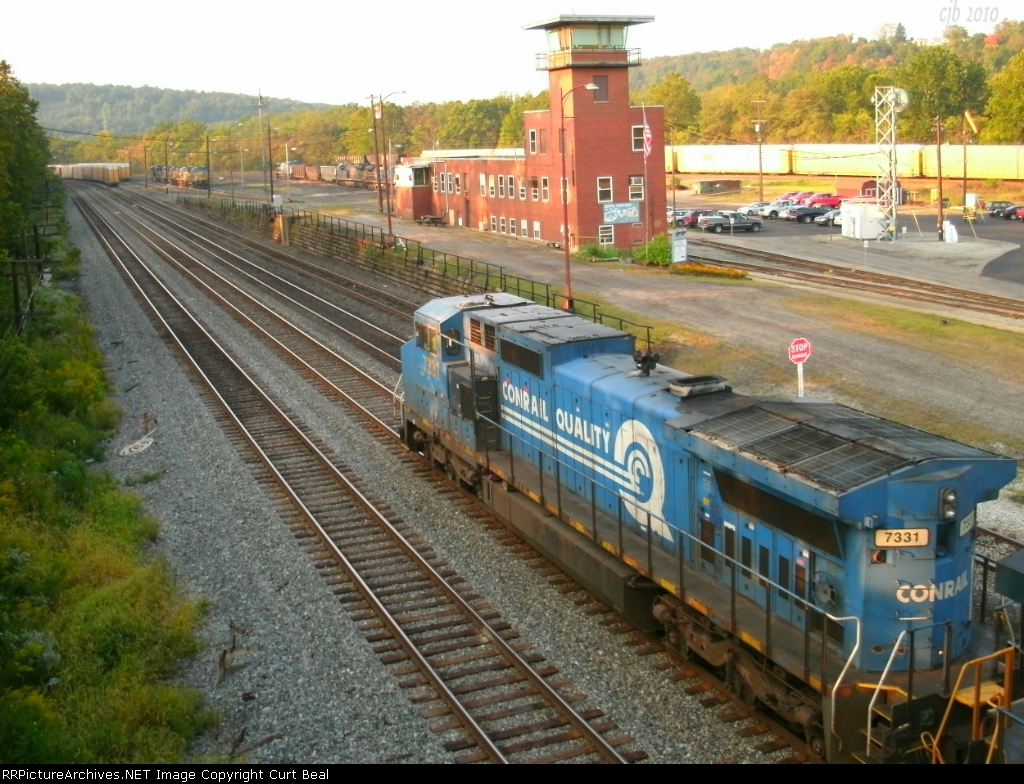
{"x": 444, "y": 641}
{"x": 803, "y": 270}
{"x": 695, "y": 679}
{"x": 191, "y": 227}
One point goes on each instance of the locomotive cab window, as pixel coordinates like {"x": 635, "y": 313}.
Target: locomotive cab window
{"x": 452, "y": 346}
{"x": 428, "y": 338}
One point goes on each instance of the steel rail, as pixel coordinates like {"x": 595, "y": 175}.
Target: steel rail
{"x": 482, "y": 628}
{"x": 327, "y": 277}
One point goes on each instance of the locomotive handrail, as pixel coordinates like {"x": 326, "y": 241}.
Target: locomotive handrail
{"x": 846, "y": 667}
{"x": 879, "y": 688}
{"x": 1006, "y": 697}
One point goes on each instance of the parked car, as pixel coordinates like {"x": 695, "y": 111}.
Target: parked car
{"x": 754, "y": 208}
{"x": 810, "y": 200}
{"x": 826, "y": 201}
{"x": 728, "y": 220}
{"x": 1015, "y": 214}
{"x": 694, "y": 215}
{"x": 1009, "y": 213}
{"x": 678, "y": 217}
{"x": 995, "y": 206}
{"x": 774, "y": 209}
{"x": 799, "y": 198}
{"x": 804, "y": 214}
{"x": 830, "y": 218}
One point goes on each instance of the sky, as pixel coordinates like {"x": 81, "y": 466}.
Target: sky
{"x": 337, "y": 52}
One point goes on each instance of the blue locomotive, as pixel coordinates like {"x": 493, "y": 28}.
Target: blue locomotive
{"x": 821, "y": 556}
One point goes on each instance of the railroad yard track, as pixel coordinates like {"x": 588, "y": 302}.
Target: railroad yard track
{"x": 372, "y": 402}
{"x": 494, "y": 696}
{"x": 806, "y": 271}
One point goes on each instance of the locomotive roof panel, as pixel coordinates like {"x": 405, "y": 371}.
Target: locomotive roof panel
{"x": 835, "y": 446}
{"x": 557, "y": 331}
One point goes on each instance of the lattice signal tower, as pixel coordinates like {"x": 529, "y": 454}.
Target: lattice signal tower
{"x": 889, "y": 102}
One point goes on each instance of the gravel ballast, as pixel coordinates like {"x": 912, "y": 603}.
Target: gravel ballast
{"x": 302, "y": 671}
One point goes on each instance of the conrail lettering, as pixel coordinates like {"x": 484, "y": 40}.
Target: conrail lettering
{"x": 521, "y": 398}
{"x": 585, "y": 431}
{"x": 930, "y": 593}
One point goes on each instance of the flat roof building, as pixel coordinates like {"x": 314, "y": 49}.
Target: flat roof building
{"x": 591, "y": 166}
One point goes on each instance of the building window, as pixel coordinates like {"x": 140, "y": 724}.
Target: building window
{"x": 501, "y": 224}
{"x": 483, "y": 184}
{"x": 636, "y": 188}
{"x": 606, "y": 235}
{"x": 458, "y": 184}
{"x": 601, "y": 93}
{"x": 501, "y": 186}
{"x": 523, "y": 229}
{"x": 638, "y": 138}
{"x": 536, "y": 230}
{"x": 604, "y": 189}
{"x": 490, "y": 184}
{"x": 494, "y": 223}
{"x": 433, "y": 181}
{"x": 419, "y": 176}
{"x": 533, "y": 142}
{"x": 534, "y": 190}
{"x": 542, "y": 141}
{"x": 564, "y": 192}
{"x": 522, "y": 189}
{"x": 545, "y": 190}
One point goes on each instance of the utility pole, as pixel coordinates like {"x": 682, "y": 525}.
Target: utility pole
{"x": 387, "y": 163}
{"x": 376, "y": 150}
{"x": 938, "y": 160}
{"x": 968, "y": 120}
{"x": 270, "y": 154}
{"x": 209, "y": 170}
{"x": 760, "y": 166}
{"x": 167, "y": 173}
{"x": 258, "y": 103}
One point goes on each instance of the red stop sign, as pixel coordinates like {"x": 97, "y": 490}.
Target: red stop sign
{"x": 799, "y": 350}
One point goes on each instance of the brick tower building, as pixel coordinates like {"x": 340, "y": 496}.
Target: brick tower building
{"x": 611, "y": 153}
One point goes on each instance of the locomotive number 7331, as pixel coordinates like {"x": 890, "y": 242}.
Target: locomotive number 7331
{"x": 901, "y": 537}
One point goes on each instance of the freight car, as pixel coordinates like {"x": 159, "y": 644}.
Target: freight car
{"x": 1003, "y": 162}
{"x": 106, "y": 173}
{"x": 820, "y": 556}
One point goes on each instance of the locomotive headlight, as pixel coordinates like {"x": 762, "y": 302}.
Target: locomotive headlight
{"x": 947, "y": 503}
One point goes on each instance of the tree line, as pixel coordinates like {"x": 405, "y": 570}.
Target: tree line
{"x": 819, "y": 90}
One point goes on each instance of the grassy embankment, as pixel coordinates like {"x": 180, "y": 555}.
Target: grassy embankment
{"x": 91, "y": 624}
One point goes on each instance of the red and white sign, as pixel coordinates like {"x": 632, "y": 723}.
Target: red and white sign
{"x": 799, "y": 350}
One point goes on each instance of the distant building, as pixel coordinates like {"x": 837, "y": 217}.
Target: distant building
{"x": 616, "y": 192}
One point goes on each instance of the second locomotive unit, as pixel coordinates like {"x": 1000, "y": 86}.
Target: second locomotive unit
{"x": 802, "y": 546}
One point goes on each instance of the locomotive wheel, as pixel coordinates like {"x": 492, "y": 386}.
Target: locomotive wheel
{"x": 815, "y": 738}
{"x": 677, "y": 640}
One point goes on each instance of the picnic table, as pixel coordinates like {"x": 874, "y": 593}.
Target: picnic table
{"x": 430, "y": 220}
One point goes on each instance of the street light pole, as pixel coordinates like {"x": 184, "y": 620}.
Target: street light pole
{"x": 387, "y": 162}
{"x": 568, "y": 302}
{"x": 376, "y": 150}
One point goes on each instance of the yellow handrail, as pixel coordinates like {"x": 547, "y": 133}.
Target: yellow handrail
{"x": 1004, "y": 700}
